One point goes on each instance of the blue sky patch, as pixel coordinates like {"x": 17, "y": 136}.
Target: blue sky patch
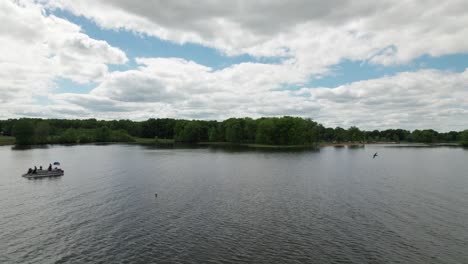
{"x": 69, "y": 86}
{"x": 352, "y": 71}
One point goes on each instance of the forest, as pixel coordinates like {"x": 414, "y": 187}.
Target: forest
{"x": 266, "y": 130}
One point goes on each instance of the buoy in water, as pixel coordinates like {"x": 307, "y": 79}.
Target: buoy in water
{"x": 156, "y": 195}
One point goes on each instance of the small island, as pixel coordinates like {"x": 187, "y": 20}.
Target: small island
{"x": 265, "y": 132}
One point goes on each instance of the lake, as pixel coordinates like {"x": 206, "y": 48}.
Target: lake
{"x": 218, "y": 205}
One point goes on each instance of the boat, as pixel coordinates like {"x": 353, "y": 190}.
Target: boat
{"x": 56, "y": 172}
{"x": 44, "y": 174}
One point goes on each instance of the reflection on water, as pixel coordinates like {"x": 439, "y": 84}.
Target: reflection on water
{"x": 235, "y": 205}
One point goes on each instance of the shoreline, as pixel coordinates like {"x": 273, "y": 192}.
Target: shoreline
{"x": 6, "y": 141}
{"x": 10, "y": 141}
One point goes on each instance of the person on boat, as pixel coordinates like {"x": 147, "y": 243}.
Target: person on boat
{"x": 50, "y": 167}
{"x": 40, "y": 167}
{"x": 30, "y": 171}
{"x": 35, "y": 170}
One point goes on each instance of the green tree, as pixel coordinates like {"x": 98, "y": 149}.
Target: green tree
{"x": 6, "y": 127}
{"x": 312, "y": 135}
{"x": 215, "y": 133}
{"x": 234, "y": 130}
{"x": 341, "y": 134}
{"x": 42, "y": 132}
{"x": 86, "y": 136}
{"x": 355, "y": 134}
{"x": 265, "y": 131}
{"x": 250, "y": 128}
{"x": 70, "y": 136}
{"x": 425, "y": 136}
{"x": 23, "y": 130}
{"x": 297, "y": 133}
{"x": 188, "y": 131}
{"x": 463, "y": 137}
{"x": 329, "y": 134}
{"x": 103, "y": 134}
{"x": 120, "y": 136}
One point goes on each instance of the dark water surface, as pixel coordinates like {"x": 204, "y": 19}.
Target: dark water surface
{"x": 336, "y": 205}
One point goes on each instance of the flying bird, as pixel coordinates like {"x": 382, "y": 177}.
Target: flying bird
{"x": 375, "y": 155}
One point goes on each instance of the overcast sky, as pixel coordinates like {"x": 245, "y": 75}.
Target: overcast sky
{"x": 371, "y": 64}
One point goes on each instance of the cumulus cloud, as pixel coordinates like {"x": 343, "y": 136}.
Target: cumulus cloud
{"x": 315, "y": 33}
{"x": 182, "y": 88}
{"x": 36, "y": 49}
{"x": 423, "y": 99}
{"x": 306, "y": 38}
{"x": 175, "y": 79}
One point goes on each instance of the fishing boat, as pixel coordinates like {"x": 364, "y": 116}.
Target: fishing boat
{"x": 55, "y": 172}
{"x": 44, "y": 174}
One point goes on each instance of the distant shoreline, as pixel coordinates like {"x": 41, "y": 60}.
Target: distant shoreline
{"x": 264, "y": 132}
{"x": 10, "y": 141}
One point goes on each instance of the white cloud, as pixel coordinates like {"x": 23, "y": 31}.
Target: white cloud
{"x": 423, "y": 99}
{"x": 315, "y": 33}
{"x": 172, "y": 79}
{"x": 307, "y": 38}
{"x": 36, "y": 48}
{"x": 174, "y": 87}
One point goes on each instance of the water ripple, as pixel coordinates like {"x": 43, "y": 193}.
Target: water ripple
{"x": 332, "y": 206}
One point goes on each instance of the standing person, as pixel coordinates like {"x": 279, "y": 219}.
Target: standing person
{"x": 40, "y": 167}
{"x": 50, "y": 167}
{"x": 35, "y": 170}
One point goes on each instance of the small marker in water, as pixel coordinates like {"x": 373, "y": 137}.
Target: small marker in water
{"x": 156, "y": 195}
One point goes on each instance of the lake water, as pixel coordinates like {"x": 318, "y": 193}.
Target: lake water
{"x": 336, "y": 205}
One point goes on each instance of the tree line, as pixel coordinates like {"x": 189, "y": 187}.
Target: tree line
{"x": 266, "y": 130}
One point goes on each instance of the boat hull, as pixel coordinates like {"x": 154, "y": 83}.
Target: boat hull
{"x": 44, "y": 174}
